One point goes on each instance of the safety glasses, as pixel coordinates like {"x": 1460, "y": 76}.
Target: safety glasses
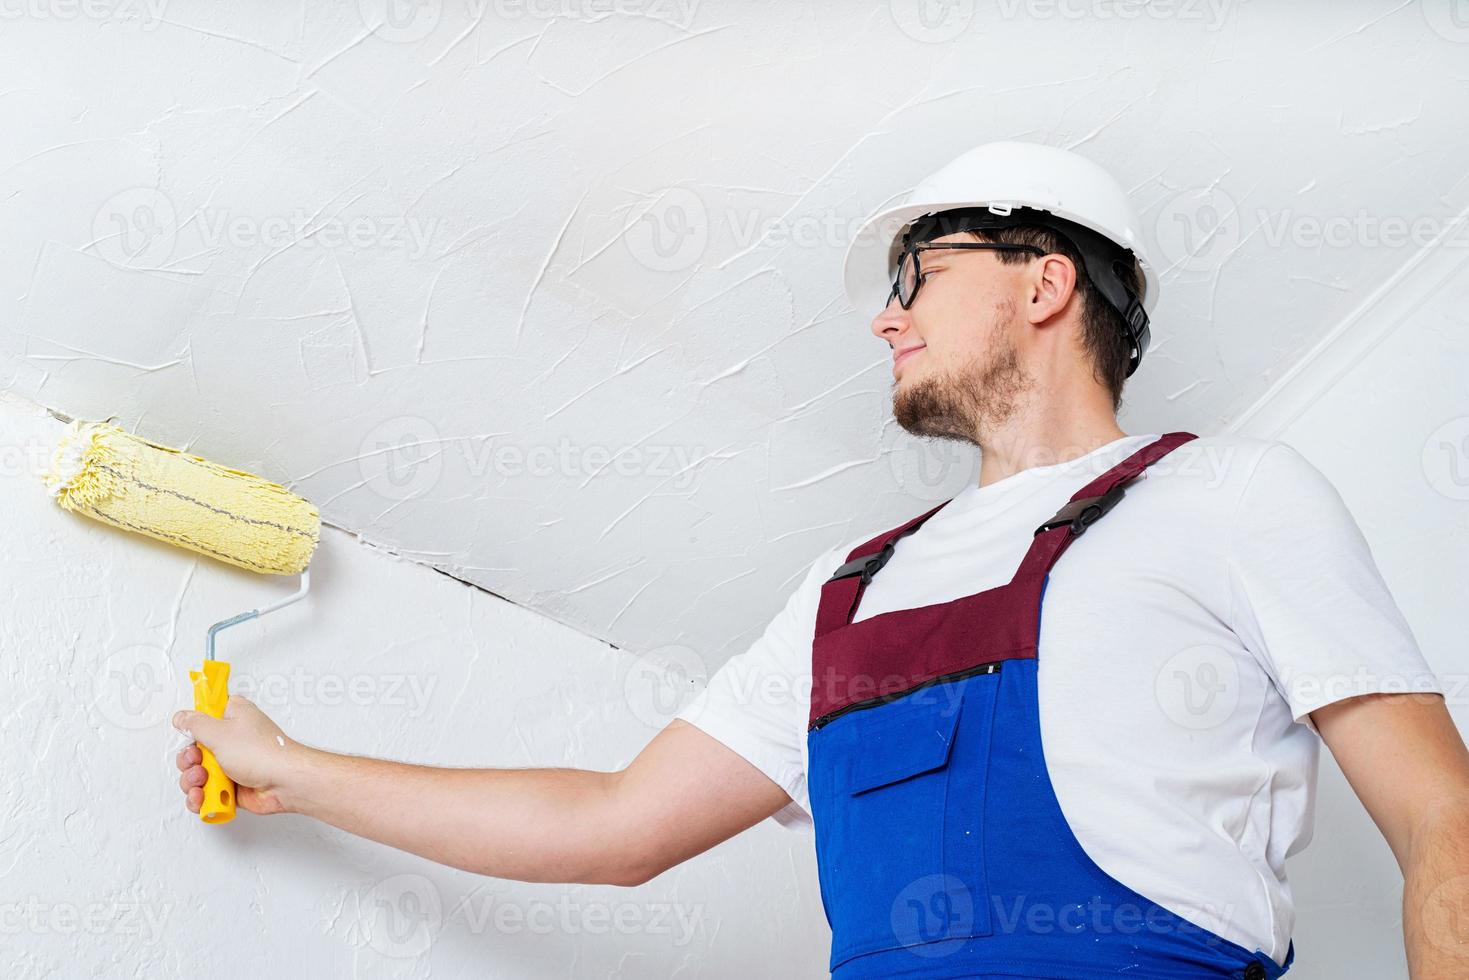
{"x": 910, "y": 272}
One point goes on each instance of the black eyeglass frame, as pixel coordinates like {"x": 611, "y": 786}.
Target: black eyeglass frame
{"x": 916, "y": 247}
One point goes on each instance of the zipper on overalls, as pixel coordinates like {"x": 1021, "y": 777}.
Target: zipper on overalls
{"x": 992, "y": 667}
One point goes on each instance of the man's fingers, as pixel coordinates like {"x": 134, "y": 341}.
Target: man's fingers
{"x": 192, "y": 777}
{"x": 196, "y": 724}
{"x": 188, "y": 756}
{"x": 196, "y": 799}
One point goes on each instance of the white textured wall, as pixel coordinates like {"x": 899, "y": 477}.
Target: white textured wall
{"x": 370, "y": 255}
{"x": 103, "y": 873}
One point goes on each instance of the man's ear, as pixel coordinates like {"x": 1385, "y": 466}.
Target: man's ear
{"x": 1052, "y": 282}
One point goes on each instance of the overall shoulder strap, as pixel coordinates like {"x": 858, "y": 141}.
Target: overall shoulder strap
{"x": 843, "y": 590}
{"x": 1090, "y": 504}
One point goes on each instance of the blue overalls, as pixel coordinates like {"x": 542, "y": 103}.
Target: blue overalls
{"x": 941, "y": 847}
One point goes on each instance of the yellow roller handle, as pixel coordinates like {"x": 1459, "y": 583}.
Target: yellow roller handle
{"x": 211, "y": 692}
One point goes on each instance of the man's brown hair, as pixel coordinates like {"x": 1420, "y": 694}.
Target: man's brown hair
{"x": 1104, "y": 334}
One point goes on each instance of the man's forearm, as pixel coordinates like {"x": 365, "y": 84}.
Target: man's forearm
{"x": 1435, "y": 893}
{"x": 525, "y": 824}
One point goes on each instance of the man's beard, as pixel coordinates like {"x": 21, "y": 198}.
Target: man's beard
{"x": 976, "y": 398}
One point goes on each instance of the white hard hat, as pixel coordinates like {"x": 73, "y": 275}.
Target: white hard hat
{"x": 1004, "y": 177}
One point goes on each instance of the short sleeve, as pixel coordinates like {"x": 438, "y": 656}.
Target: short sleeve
{"x": 1307, "y": 598}
{"x": 757, "y": 703}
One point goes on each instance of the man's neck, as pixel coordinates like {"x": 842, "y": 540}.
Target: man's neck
{"x": 1024, "y": 442}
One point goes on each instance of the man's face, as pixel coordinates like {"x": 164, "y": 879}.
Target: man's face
{"x": 956, "y": 369}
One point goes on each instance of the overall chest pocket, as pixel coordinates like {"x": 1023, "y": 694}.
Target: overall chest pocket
{"x": 897, "y": 796}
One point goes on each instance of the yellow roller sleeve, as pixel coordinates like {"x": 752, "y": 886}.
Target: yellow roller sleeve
{"x": 115, "y": 477}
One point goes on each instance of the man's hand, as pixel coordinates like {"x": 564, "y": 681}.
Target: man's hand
{"x": 684, "y": 793}
{"x": 251, "y": 749}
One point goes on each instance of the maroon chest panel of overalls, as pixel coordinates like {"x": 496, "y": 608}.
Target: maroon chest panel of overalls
{"x": 905, "y": 649}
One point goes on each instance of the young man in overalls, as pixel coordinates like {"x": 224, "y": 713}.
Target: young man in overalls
{"x": 1063, "y": 725}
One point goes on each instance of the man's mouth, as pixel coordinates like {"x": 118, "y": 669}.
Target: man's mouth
{"x": 904, "y": 355}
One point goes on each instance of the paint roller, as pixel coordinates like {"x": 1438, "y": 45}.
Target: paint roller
{"x": 115, "y": 477}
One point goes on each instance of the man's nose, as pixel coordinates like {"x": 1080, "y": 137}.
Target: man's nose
{"x": 891, "y": 321}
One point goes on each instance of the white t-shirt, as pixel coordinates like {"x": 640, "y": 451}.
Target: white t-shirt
{"x": 1184, "y": 639}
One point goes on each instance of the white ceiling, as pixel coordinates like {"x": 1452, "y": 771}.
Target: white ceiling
{"x": 375, "y": 264}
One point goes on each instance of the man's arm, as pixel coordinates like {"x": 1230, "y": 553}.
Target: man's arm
{"x": 683, "y": 794}
{"x": 1407, "y": 763}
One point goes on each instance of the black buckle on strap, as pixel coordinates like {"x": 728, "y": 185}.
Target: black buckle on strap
{"x": 1082, "y": 514}
{"x": 866, "y": 565}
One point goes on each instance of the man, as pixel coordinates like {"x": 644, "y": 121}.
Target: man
{"x": 1108, "y": 789}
